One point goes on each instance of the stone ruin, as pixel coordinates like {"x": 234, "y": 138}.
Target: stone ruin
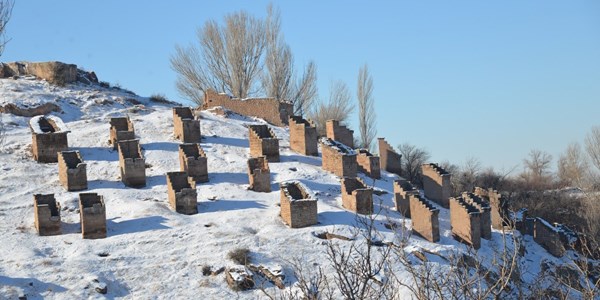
{"x": 46, "y": 214}
{"x": 356, "y": 196}
{"x": 499, "y": 208}
{"x": 192, "y": 160}
{"x": 72, "y": 171}
{"x": 402, "y": 191}
{"x": 274, "y": 111}
{"x": 298, "y": 208}
{"x": 183, "y": 196}
{"x": 92, "y": 212}
{"x": 54, "y": 72}
{"x": 239, "y": 278}
{"x": 425, "y": 218}
{"x": 49, "y": 136}
{"x": 368, "y": 163}
{"x": 437, "y": 184}
{"x": 485, "y": 210}
{"x": 555, "y": 238}
{"x": 259, "y": 174}
{"x": 339, "y": 133}
{"x": 263, "y": 142}
{"x": 121, "y": 129}
{"x": 132, "y": 163}
{"x": 303, "y": 136}
{"x": 338, "y": 158}
{"x": 185, "y": 127}
{"x": 389, "y": 158}
{"x": 465, "y": 220}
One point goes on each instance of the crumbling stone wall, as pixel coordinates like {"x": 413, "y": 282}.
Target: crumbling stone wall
{"x": 465, "y": 221}
{"x": 437, "y": 184}
{"x": 303, "y": 136}
{"x": 263, "y": 142}
{"x": 484, "y": 210}
{"x": 274, "y": 111}
{"x": 356, "y": 196}
{"x": 259, "y": 174}
{"x": 498, "y": 207}
{"x": 425, "y": 218}
{"x": 547, "y": 236}
{"x": 391, "y": 161}
{"x": 402, "y": 191}
{"x": 121, "y": 129}
{"x": 298, "y": 209}
{"x": 339, "y": 133}
{"x": 54, "y": 72}
{"x": 338, "y": 158}
{"x": 192, "y": 160}
{"x": 51, "y": 140}
{"x": 46, "y": 214}
{"x": 185, "y": 126}
{"x": 72, "y": 171}
{"x": 132, "y": 163}
{"x": 368, "y": 164}
{"x": 92, "y": 213}
{"x": 182, "y": 193}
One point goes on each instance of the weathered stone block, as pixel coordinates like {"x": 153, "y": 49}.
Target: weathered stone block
{"x": 339, "y": 133}
{"x": 499, "y": 213}
{"x": 192, "y": 160}
{"x": 437, "y": 184}
{"x": 274, "y": 111}
{"x": 298, "y": 208}
{"x": 263, "y": 142}
{"x": 259, "y": 174}
{"x": 484, "y": 210}
{"x": 132, "y": 163}
{"x": 121, "y": 129}
{"x": 465, "y": 221}
{"x": 185, "y": 126}
{"x": 368, "y": 164}
{"x": 402, "y": 191}
{"x": 92, "y": 213}
{"x": 72, "y": 171}
{"x": 548, "y": 237}
{"x": 303, "y": 136}
{"x": 338, "y": 158}
{"x": 49, "y": 136}
{"x": 183, "y": 196}
{"x": 356, "y": 196}
{"x": 425, "y": 218}
{"x": 390, "y": 159}
{"x": 46, "y": 214}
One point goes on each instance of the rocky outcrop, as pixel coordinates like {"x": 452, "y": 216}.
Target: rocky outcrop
{"x": 42, "y": 109}
{"x": 54, "y": 72}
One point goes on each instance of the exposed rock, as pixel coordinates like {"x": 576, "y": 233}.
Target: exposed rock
{"x": 239, "y": 278}
{"x": 43, "y": 109}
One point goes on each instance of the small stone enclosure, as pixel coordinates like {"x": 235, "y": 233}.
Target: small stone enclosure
{"x": 92, "y": 213}
{"x": 121, "y": 129}
{"x": 402, "y": 191}
{"x": 338, "y": 158}
{"x": 425, "y": 218}
{"x": 437, "y": 184}
{"x": 259, "y": 174}
{"x": 298, "y": 209}
{"x": 339, "y": 133}
{"x": 389, "y": 158}
{"x": 274, "y": 111}
{"x": 72, "y": 171}
{"x": 303, "y": 136}
{"x": 185, "y": 127}
{"x": 465, "y": 221}
{"x": 182, "y": 193}
{"x": 49, "y": 136}
{"x": 356, "y": 196}
{"x": 368, "y": 163}
{"x": 46, "y": 214}
{"x": 263, "y": 142}
{"x": 132, "y": 163}
{"x": 192, "y": 160}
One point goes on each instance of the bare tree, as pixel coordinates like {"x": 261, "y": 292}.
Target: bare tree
{"x": 339, "y": 107}
{"x": 412, "y": 159}
{"x": 6, "y": 7}
{"x": 537, "y": 166}
{"x": 592, "y": 145}
{"x": 572, "y": 166}
{"x": 366, "y": 109}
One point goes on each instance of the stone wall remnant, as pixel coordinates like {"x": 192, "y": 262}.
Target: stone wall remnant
{"x": 437, "y": 184}
{"x": 425, "y": 218}
{"x": 274, "y": 111}
{"x": 121, "y": 129}
{"x": 368, "y": 163}
{"x": 298, "y": 207}
{"x": 548, "y": 236}
{"x": 402, "y": 191}
{"x": 132, "y": 163}
{"x": 357, "y": 196}
{"x": 92, "y": 213}
{"x": 185, "y": 126}
{"x": 46, "y": 214}
{"x": 182, "y": 193}
{"x": 259, "y": 174}
{"x": 465, "y": 220}
{"x": 339, "y": 133}
{"x": 49, "y": 136}
{"x": 389, "y": 158}
{"x": 263, "y": 142}
{"x": 54, "y": 72}
{"x": 338, "y": 158}
{"x": 192, "y": 160}
{"x": 72, "y": 171}
{"x": 498, "y": 207}
{"x": 485, "y": 213}
{"x": 303, "y": 136}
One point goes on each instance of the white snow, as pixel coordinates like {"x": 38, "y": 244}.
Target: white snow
{"x": 34, "y": 124}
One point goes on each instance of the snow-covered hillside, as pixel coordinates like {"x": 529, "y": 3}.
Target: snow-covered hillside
{"x": 152, "y": 251}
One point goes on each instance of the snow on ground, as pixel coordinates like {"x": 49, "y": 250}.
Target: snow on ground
{"x": 152, "y": 251}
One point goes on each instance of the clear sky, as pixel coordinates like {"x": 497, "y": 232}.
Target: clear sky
{"x": 484, "y": 79}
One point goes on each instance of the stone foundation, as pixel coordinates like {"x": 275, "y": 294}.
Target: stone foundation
{"x": 259, "y": 174}
{"x": 92, "y": 213}
{"x": 465, "y": 220}
{"x": 72, "y": 171}
{"x": 274, "y": 111}
{"x": 389, "y": 158}
{"x": 402, "y": 191}
{"x": 263, "y": 142}
{"x": 356, "y": 196}
{"x": 48, "y": 138}
{"x": 368, "y": 164}
{"x": 121, "y": 129}
{"x": 185, "y": 127}
{"x": 298, "y": 209}
{"x": 425, "y": 221}
{"x": 303, "y": 136}
{"x": 192, "y": 160}
{"x": 437, "y": 184}
{"x": 338, "y": 159}
{"x": 339, "y": 133}
{"x": 182, "y": 193}
{"x": 132, "y": 163}
{"x": 46, "y": 214}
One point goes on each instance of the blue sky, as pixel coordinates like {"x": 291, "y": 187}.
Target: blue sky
{"x": 484, "y": 79}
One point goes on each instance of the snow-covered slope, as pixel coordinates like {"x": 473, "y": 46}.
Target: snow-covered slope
{"x": 152, "y": 251}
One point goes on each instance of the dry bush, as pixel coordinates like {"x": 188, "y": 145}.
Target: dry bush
{"x": 240, "y": 256}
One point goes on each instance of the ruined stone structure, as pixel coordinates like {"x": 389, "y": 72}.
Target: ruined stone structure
{"x": 121, "y": 129}
{"x": 72, "y": 171}
{"x": 402, "y": 191}
{"x": 54, "y": 72}
{"x": 339, "y": 133}
{"x": 298, "y": 208}
{"x": 185, "y": 126}
{"x": 338, "y": 158}
{"x": 183, "y": 196}
{"x": 49, "y": 136}
{"x": 425, "y": 218}
{"x": 356, "y": 196}
{"x": 368, "y": 164}
{"x": 437, "y": 184}
{"x": 274, "y": 111}
{"x": 259, "y": 174}
{"x": 303, "y": 136}
{"x": 92, "y": 213}
{"x": 46, "y": 214}
{"x": 499, "y": 208}
{"x": 389, "y": 158}
{"x": 132, "y": 163}
{"x": 465, "y": 220}
{"x": 192, "y": 160}
{"x": 484, "y": 210}
{"x": 548, "y": 237}
{"x": 263, "y": 142}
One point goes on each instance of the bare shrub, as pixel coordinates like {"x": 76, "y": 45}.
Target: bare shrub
{"x": 339, "y": 107}
{"x": 6, "y": 7}
{"x": 412, "y": 159}
{"x": 240, "y": 256}
{"x": 159, "y": 98}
